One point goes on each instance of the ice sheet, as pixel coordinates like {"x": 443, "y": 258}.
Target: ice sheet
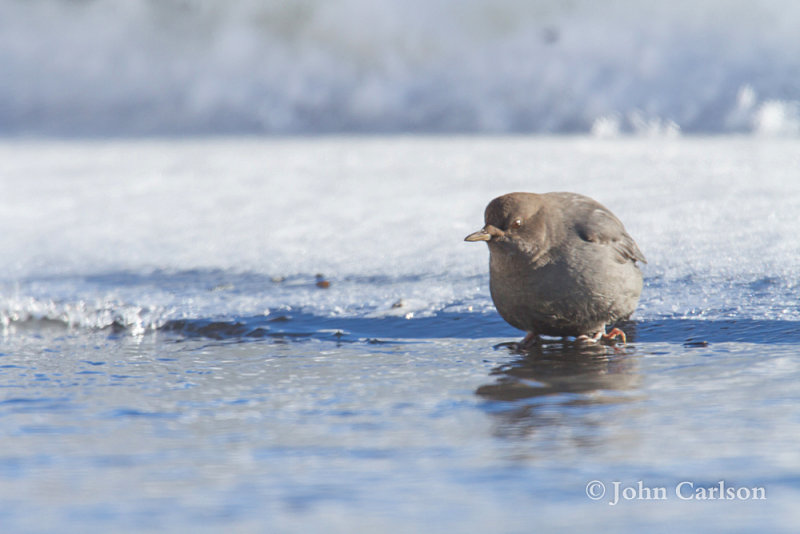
{"x": 142, "y": 232}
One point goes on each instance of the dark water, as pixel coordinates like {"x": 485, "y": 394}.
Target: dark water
{"x": 297, "y": 423}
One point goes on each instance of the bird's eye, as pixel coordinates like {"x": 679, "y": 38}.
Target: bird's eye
{"x": 516, "y": 224}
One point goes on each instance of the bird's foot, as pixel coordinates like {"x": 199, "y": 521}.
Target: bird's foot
{"x": 609, "y": 337}
{"x": 528, "y": 342}
{"x": 583, "y": 338}
{"x": 615, "y": 333}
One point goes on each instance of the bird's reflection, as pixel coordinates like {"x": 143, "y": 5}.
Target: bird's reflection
{"x": 540, "y": 386}
{"x": 562, "y": 367}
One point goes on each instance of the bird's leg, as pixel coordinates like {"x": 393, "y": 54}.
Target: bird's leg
{"x": 530, "y": 339}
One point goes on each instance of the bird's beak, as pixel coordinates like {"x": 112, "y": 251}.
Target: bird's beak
{"x": 480, "y": 235}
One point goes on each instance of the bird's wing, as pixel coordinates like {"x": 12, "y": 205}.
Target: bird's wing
{"x": 598, "y": 225}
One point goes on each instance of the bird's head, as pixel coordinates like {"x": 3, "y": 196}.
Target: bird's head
{"x": 516, "y": 221}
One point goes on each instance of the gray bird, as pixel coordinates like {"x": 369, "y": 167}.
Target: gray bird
{"x": 560, "y": 264}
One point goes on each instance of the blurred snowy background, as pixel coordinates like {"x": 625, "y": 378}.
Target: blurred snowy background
{"x": 189, "y": 67}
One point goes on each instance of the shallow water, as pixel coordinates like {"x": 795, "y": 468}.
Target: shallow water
{"x": 168, "y": 361}
{"x": 166, "y": 432}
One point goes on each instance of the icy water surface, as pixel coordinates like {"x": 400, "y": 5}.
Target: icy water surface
{"x": 291, "y": 336}
{"x": 102, "y": 432}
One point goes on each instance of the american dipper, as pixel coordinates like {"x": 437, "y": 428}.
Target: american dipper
{"x": 560, "y": 264}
